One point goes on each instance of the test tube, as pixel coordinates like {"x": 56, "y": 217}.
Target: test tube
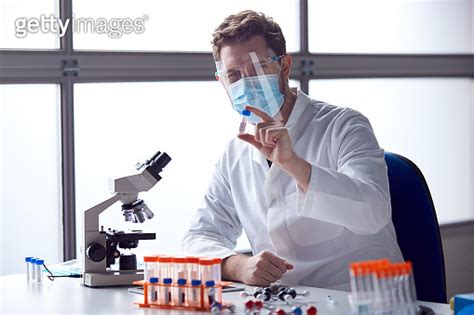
{"x": 411, "y": 289}
{"x": 33, "y": 269}
{"x": 398, "y": 288}
{"x": 194, "y": 297}
{"x": 153, "y": 289}
{"x": 243, "y": 124}
{"x": 28, "y": 268}
{"x": 193, "y": 268}
{"x": 372, "y": 267}
{"x": 39, "y": 270}
{"x": 166, "y": 294}
{"x": 216, "y": 270}
{"x": 210, "y": 296}
{"x": 205, "y": 269}
{"x": 179, "y": 268}
{"x": 411, "y": 279}
{"x": 166, "y": 267}
{"x": 385, "y": 304}
{"x": 392, "y": 297}
{"x": 354, "y": 278}
{"x": 367, "y": 267}
{"x": 151, "y": 267}
{"x": 181, "y": 292}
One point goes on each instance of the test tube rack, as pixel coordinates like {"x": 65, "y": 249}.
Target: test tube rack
{"x": 202, "y": 307}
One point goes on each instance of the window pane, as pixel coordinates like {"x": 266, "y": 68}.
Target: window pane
{"x": 395, "y": 26}
{"x": 30, "y": 173}
{"x": 22, "y": 24}
{"x": 174, "y": 25}
{"x": 119, "y": 124}
{"x": 430, "y": 121}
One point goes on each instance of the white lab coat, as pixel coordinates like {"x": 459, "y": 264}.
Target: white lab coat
{"x": 344, "y": 216}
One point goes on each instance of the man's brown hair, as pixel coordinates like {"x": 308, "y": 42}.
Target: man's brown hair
{"x": 240, "y": 27}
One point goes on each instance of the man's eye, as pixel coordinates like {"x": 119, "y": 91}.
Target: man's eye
{"x": 234, "y": 75}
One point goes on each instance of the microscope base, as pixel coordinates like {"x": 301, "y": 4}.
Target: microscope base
{"x": 112, "y": 278}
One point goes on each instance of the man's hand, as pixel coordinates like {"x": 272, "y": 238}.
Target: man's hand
{"x": 273, "y": 140}
{"x": 260, "y": 270}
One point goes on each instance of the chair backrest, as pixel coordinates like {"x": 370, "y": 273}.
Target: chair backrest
{"x": 417, "y": 228}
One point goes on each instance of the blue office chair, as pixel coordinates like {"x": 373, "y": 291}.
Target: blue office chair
{"x": 414, "y": 219}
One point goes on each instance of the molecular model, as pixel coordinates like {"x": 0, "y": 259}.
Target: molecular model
{"x": 274, "y": 298}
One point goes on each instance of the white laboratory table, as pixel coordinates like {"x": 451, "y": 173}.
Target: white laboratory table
{"x": 69, "y": 296}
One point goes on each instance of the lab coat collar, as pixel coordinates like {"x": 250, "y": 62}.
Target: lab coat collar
{"x": 301, "y": 103}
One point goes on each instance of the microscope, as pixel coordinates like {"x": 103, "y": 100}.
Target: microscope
{"x": 101, "y": 246}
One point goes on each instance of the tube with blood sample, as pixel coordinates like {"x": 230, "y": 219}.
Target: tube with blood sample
{"x": 181, "y": 293}
{"x": 166, "y": 295}
{"x": 153, "y": 290}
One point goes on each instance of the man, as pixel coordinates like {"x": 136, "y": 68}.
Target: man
{"x": 309, "y": 186}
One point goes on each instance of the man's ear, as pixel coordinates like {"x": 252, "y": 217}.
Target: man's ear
{"x": 286, "y": 62}
{"x": 285, "y": 70}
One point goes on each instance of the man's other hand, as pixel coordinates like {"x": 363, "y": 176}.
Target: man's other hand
{"x": 259, "y": 270}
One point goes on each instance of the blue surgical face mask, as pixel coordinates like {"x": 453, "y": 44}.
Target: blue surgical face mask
{"x": 261, "y": 92}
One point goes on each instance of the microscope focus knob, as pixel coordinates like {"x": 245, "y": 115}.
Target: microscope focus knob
{"x": 95, "y": 252}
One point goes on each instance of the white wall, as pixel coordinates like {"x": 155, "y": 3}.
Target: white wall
{"x": 458, "y": 248}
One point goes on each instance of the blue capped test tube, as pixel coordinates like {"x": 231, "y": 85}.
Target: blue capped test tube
{"x": 194, "y": 297}
{"x": 28, "y": 268}
{"x": 153, "y": 290}
{"x": 33, "y": 268}
{"x": 166, "y": 295}
{"x": 243, "y": 123}
{"x": 39, "y": 270}
{"x": 181, "y": 292}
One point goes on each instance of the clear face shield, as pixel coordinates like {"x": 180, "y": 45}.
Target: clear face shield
{"x": 253, "y": 79}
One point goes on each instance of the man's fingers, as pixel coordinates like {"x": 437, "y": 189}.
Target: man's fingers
{"x": 250, "y": 139}
{"x": 264, "y": 274}
{"x": 259, "y": 129}
{"x": 261, "y": 282}
{"x": 267, "y": 133}
{"x": 259, "y": 113}
{"x": 279, "y": 262}
{"x": 272, "y": 135}
{"x": 274, "y": 270}
{"x": 263, "y": 136}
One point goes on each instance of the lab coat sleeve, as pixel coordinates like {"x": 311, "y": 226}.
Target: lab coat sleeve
{"x": 356, "y": 195}
{"x": 215, "y": 227}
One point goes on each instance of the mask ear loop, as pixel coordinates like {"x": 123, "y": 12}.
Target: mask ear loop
{"x": 267, "y": 90}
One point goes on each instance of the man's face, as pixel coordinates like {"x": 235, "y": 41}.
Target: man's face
{"x": 249, "y": 59}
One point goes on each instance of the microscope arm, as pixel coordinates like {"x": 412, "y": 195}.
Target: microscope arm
{"x": 91, "y": 216}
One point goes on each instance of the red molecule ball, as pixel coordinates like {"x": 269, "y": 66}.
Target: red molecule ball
{"x": 312, "y": 310}
{"x": 249, "y": 305}
{"x": 258, "y": 305}
{"x": 280, "y": 312}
